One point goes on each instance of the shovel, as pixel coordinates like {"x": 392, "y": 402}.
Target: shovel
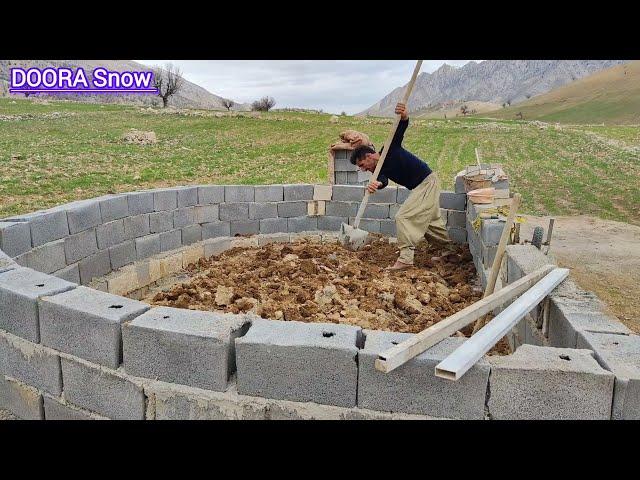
{"x": 352, "y": 237}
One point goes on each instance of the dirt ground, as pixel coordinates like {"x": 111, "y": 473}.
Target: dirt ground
{"x": 604, "y": 257}
{"x": 315, "y": 282}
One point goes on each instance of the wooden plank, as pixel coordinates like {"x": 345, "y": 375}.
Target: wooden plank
{"x": 403, "y": 352}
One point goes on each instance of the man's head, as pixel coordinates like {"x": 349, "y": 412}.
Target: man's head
{"x": 365, "y": 158}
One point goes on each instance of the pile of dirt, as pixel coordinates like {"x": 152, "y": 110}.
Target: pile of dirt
{"x": 314, "y": 282}
{"x": 140, "y": 138}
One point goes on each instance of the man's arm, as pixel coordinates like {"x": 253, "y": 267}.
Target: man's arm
{"x": 401, "y": 109}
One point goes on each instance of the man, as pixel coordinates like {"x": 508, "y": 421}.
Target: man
{"x": 419, "y": 216}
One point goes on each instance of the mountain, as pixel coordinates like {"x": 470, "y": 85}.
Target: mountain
{"x": 609, "y": 96}
{"x": 191, "y": 95}
{"x": 491, "y": 81}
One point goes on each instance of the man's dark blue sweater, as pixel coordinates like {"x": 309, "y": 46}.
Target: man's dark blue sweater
{"x": 402, "y": 166}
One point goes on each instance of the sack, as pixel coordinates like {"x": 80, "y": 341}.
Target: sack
{"x": 481, "y": 195}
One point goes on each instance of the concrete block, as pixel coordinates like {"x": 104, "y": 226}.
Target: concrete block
{"x": 183, "y": 217}
{"x": 292, "y": 209}
{"x": 458, "y": 235}
{"x": 210, "y": 194}
{"x": 413, "y": 387}
{"x": 620, "y": 354}
{"x": 170, "y": 240}
{"x": 147, "y": 246}
{"x": 216, "y": 229}
{"x": 171, "y": 263}
{"x": 161, "y": 221}
{"x": 273, "y": 225}
{"x": 23, "y": 401}
{"x": 537, "y": 383}
{"x": 80, "y": 245}
{"x": 490, "y": 231}
{"x": 456, "y": 218}
{"x": 341, "y": 154}
{"x": 348, "y": 193}
{"x": 86, "y": 323}
{"x": 344, "y": 165}
{"x": 501, "y": 184}
{"x": 393, "y": 210}
{"x": 316, "y": 208}
{"x": 305, "y": 236}
{"x": 122, "y": 254}
{"x": 148, "y": 271}
{"x": 453, "y": 201}
{"x": 140, "y": 203}
{"x": 368, "y": 225}
{"x": 354, "y": 178}
{"x": 58, "y": 409}
{"x": 459, "y": 188}
{"x": 20, "y": 289}
{"x": 388, "y": 194}
{"x": 123, "y": 281}
{"x": 269, "y": 238}
{"x": 259, "y": 211}
{"x": 294, "y": 193}
{"x": 234, "y": 211}
{"x": 15, "y": 238}
{"x": 136, "y": 226}
{"x": 331, "y": 223}
{"x": 362, "y": 178}
{"x": 376, "y": 210}
{"x": 70, "y": 273}
{"x": 239, "y": 193}
{"x": 193, "y": 234}
{"x": 488, "y": 254}
{"x": 96, "y": 265}
{"x": 322, "y": 192}
{"x": 340, "y": 178}
{"x": 402, "y": 194}
{"x": 47, "y": 258}
{"x": 244, "y": 242}
{"x": 216, "y": 246}
{"x": 113, "y": 207}
{"x": 388, "y": 228}
{"x": 305, "y": 362}
{"x": 110, "y": 234}
{"x": 341, "y": 209}
{"x": 30, "y": 363}
{"x": 269, "y": 193}
{"x": 192, "y": 254}
{"x": 47, "y": 227}
{"x": 183, "y": 346}
{"x": 83, "y": 215}
{"x": 108, "y": 393}
{"x": 6, "y": 262}
{"x": 245, "y": 227}
{"x": 187, "y": 196}
{"x": 207, "y": 214}
{"x": 302, "y": 224}
{"x": 165, "y": 199}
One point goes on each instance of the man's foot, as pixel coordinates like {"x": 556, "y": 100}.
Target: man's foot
{"x": 399, "y": 266}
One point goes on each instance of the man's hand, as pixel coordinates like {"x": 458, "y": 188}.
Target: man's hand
{"x": 373, "y": 186}
{"x": 401, "y": 109}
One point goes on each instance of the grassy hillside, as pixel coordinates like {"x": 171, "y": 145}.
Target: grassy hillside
{"x": 60, "y": 151}
{"x": 611, "y": 96}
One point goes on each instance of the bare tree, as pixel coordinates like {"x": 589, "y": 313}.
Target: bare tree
{"x": 168, "y": 81}
{"x": 228, "y": 104}
{"x": 464, "y": 109}
{"x": 263, "y": 105}
{"x": 519, "y": 115}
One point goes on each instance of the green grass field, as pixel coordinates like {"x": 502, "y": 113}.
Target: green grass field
{"x": 50, "y": 158}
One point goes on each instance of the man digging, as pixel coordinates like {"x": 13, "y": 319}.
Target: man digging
{"x": 419, "y": 217}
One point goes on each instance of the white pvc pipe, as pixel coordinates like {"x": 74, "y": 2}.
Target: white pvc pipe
{"x": 466, "y": 355}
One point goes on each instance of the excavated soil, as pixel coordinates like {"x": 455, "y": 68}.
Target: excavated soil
{"x": 314, "y": 282}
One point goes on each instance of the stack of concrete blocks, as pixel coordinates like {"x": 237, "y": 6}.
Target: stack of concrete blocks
{"x": 345, "y": 173}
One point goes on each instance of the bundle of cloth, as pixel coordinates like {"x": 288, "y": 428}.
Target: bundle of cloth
{"x": 350, "y": 140}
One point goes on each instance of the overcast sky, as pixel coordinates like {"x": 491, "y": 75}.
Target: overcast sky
{"x": 331, "y": 85}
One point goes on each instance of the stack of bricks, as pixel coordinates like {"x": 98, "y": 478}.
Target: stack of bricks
{"x": 345, "y": 173}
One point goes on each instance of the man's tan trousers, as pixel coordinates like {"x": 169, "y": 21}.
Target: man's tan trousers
{"x": 419, "y": 217}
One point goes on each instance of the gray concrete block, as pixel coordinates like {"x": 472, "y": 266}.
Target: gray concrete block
{"x": 354, "y": 178}
{"x": 546, "y": 383}
{"x": 341, "y": 209}
{"x": 216, "y": 246}
{"x": 83, "y": 215}
{"x": 207, "y": 214}
{"x": 234, "y": 211}
{"x": 393, "y": 210}
{"x": 239, "y": 193}
{"x": 620, "y": 354}
{"x": 341, "y": 154}
{"x": 192, "y": 234}
{"x": 6, "y": 262}
{"x": 258, "y": 211}
{"x": 110, "y": 234}
{"x": 15, "y": 238}
{"x": 297, "y": 192}
{"x": 96, "y": 265}
{"x": 348, "y": 193}
{"x": 20, "y": 289}
{"x": 187, "y": 196}
{"x": 70, "y": 273}
{"x": 453, "y": 201}
{"x": 136, "y": 226}
{"x": 375, "y": 210}
{"x": 501, "y": 184}
{"x": 304, "y": 362}
{"x": 47, "y": 258}
{"x": 165, "y": 199}
{"x": 459, "y": 188}
{"x": 366, "y": 224}
{"x": 302, "y": 224}
{"x": 122, "y": 254}
{"x": 147, "y": 246}
{"x": 268, "y": 238}
{"x": 58, "y": 409}
{"x": 245, "y": 227}
{"x": 48, "y": 226}
{"x": 140, "y": 203}
{"x": 269, "y": 193}
{"x": 344, "y": 165}
{"x": 292, "y": 209}
{"x": 105, "y": 392}
{"x": 402, "y": 195}
{"x": 273, "y": 225}
{"x": 170, "y": 240}
{"x": 488, "y": 254}
{"x": 113, "y": 207}
{"x": 80, "y": 245}
{"x": 457, "y": 218}
{"x": 340, "y": 178}
{"x": 23, "y": 401}
{"x": 209, "y": 194}
{"x": 86, "y": 323}
{"x": 388, "y": 194}
{"x": 490, "y": 231}
{"x": 183, "y": 217}
{"x": 458, "y": 235}
{"x": 331, "y": 224}
{"x": 216, "y": 229}
{"x": 161, "y": 221}
{"x": 183, "y": 346}
{"x": 388, "y": 228}
{"x": 413, "y": 387}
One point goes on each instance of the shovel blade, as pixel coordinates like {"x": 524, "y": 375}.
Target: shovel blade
{"x": 353, "y": 238}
